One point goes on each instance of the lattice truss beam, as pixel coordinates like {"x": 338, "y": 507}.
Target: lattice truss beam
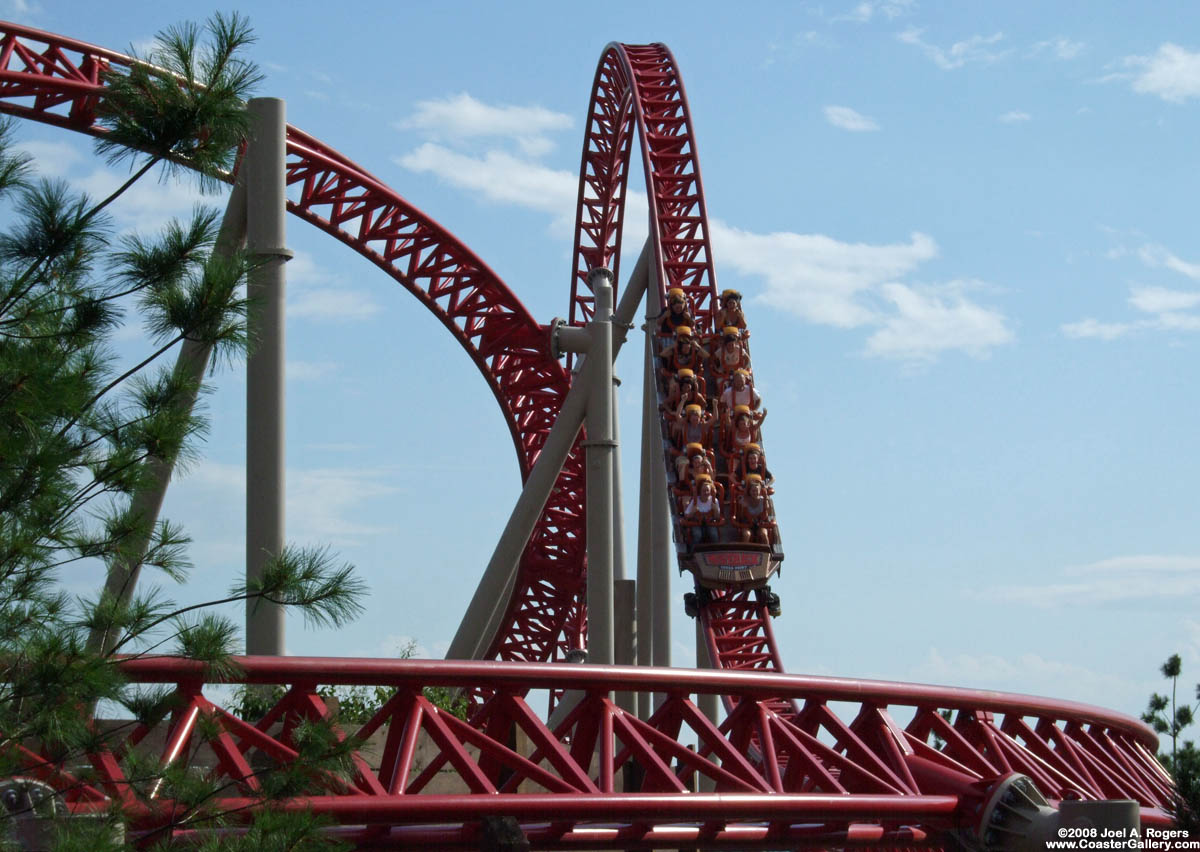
{"x": 640, "y": 85}
{"x": 797, "y": 761}
{"x": 59, "y": 81}
{"x": 860, "y": 762}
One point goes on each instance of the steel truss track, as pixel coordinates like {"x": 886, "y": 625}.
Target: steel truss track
{"x": 891, "y": 769}
{"x": 860, "y": 764}
{"x": 639, "y": 86}
{"x": 59, "y": 81}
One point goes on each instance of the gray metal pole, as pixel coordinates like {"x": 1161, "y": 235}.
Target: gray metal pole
{"x": 192, "y": 362}
{"x": 266, "y": 239}
{"x": 645, "y": 554}
{"x": 599, "y": 448}
{"x": 486, "y": 609}
{"x": 706, "y": 701}
{"x": 625, "y": 641}
{"x": 661, "y": 560}
{"x": 495, "y": 586}
{"x": 618, "y": 514}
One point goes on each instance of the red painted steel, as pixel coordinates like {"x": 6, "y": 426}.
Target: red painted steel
{"x": 641, "y": 84}
{"x": 56, "y": 80}
{"x": 857, "y": 765}
{"x": 883, "y": 776}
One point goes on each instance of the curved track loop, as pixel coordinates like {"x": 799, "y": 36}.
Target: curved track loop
{"x": 56, "y": 80}
{"x": 892, "y": 770}
{"x": 641, "y": 83}
{"x": 859, "y": 765}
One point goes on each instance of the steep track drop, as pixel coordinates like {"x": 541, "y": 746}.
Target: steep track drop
{"x": 639, "y": 88}
{"x": 825, "y": 775}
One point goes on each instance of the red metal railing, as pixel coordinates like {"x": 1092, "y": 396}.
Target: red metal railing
{"x": 600, "y": 778}
{"x": 858, "y": 763}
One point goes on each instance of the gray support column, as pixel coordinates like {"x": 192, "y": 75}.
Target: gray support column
{"x": 491, "y": 596}
{"x": 663, "y": 552}
{"x": 191, "y": 363}
{"x": 618, "y": 513}
{"x": 599, "y": 448}
{"x": 486, "y": 609}
{"x": 651, "y": 444}
{"x": 706, "y": 702}
{"x": 266, "y": 238}
{"x": 625, "y": 642}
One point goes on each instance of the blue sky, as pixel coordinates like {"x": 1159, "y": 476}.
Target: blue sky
{"x": 966, "y": 237}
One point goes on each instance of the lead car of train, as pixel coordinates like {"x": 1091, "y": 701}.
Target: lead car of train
{"x": 729, "y": 567}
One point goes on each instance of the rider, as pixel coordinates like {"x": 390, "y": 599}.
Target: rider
{"x": 695, "y": 428}
{"x": 684, "y": 391}
{"x": 739, "y": 391}
{"x": 703, "y": 513}
{"x": 730, "y": 313}
{"x": 676, "y": 314}
{"x": 731, "y": 356}
{"x": 684, "y": 354}
{"x": 754, "y": 515}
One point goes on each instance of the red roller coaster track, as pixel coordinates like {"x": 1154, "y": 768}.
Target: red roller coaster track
{"x": 600, "y": 778}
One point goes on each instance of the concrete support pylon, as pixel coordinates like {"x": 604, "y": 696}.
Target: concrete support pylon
{"x": 266, "y": 240}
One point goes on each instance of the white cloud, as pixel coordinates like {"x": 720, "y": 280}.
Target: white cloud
{"x": 850, "y": 285}
{"x": 866, "y": 10}
{"x": 789, "y": 49}
{"x": 1170, "y": 321}
{"x": 1015, "y": 116}
{"x": 331, "y": 303}
{"x": 1060, "y": 48}
{"x": 316, "y": 293}
{"x": 500, "y": 177}
{"x": 308, "y": 371}
{"x": 976, "y": 49}
{"x": 848, "y": 119}
{"x": 929, "y": 320}
{"x": 1092, "y": 328}
{"x": 812, "y": 276}
{"x": 816, "y": 277}
{"x": 51, "y": 159}
{"x": 1159, "y": 300}
{"x": 461, "y": 117}
{"x": 1173, "y": 73}
{"x": 1117, "y": 580}
{"x": 144, "y": 207}
{"x": 1028, "y": 673}
{"x": 323, "y": 504}
{"x": 504, "y": 179}
{"x": 149, "y": 203}
{"x": 1156, "y": 256}
{"x": 1160, "y": 308}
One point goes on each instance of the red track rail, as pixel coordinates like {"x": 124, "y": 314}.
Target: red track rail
{"x": 822, "y": 779}
{"x": 856, "y": 766}
{"x": 641, "y": 85}
{"x": 57, "y": 80}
